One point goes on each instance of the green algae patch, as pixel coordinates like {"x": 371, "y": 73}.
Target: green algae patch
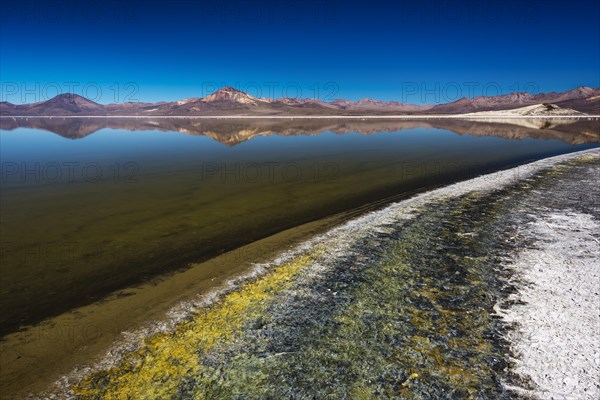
{"x": 157, "y": 368}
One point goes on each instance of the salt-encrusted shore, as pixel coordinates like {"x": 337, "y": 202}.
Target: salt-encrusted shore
{"x": 420, "y": 280}
{"x": 556, "y": 315}
{"x": 558, "y": 331}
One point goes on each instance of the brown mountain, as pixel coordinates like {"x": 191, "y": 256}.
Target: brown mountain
{"x": 63, "y": 103}
{"x": 460, "y": 106}
{"x": 583, "y": 99}
{"x": 229, "y": 101}
{"x": 229, "y": 94}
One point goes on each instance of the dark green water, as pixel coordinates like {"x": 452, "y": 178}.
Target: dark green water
{"x": 80, "y": 218}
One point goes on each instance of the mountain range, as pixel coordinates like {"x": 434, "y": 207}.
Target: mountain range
{"x": 229, "y": 101}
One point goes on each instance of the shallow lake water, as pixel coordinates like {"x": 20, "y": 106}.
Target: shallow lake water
{"x": 92, "y": 206}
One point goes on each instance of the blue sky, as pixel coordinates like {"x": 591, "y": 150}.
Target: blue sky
{"x": 417, "y": 52}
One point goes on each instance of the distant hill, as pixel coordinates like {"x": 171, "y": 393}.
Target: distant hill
{"x": 582, "y": 99}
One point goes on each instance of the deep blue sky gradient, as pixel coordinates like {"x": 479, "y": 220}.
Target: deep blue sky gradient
{"x": 419, "y": 52}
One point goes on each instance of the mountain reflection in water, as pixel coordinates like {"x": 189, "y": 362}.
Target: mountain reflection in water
{"x": 234, "y": 131}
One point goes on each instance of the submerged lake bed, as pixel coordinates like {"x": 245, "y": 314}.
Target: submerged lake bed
{"x": 93, "y": 207}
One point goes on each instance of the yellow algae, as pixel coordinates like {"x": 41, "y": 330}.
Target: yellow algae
{"x": 361, "y": 391}
{"x": 157, "y": 368}
{"x": 586, "y": 159}
{"x": 412, "y": 376}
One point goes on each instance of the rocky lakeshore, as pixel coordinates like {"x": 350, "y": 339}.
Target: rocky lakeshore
{"x": 483, "y": 289}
